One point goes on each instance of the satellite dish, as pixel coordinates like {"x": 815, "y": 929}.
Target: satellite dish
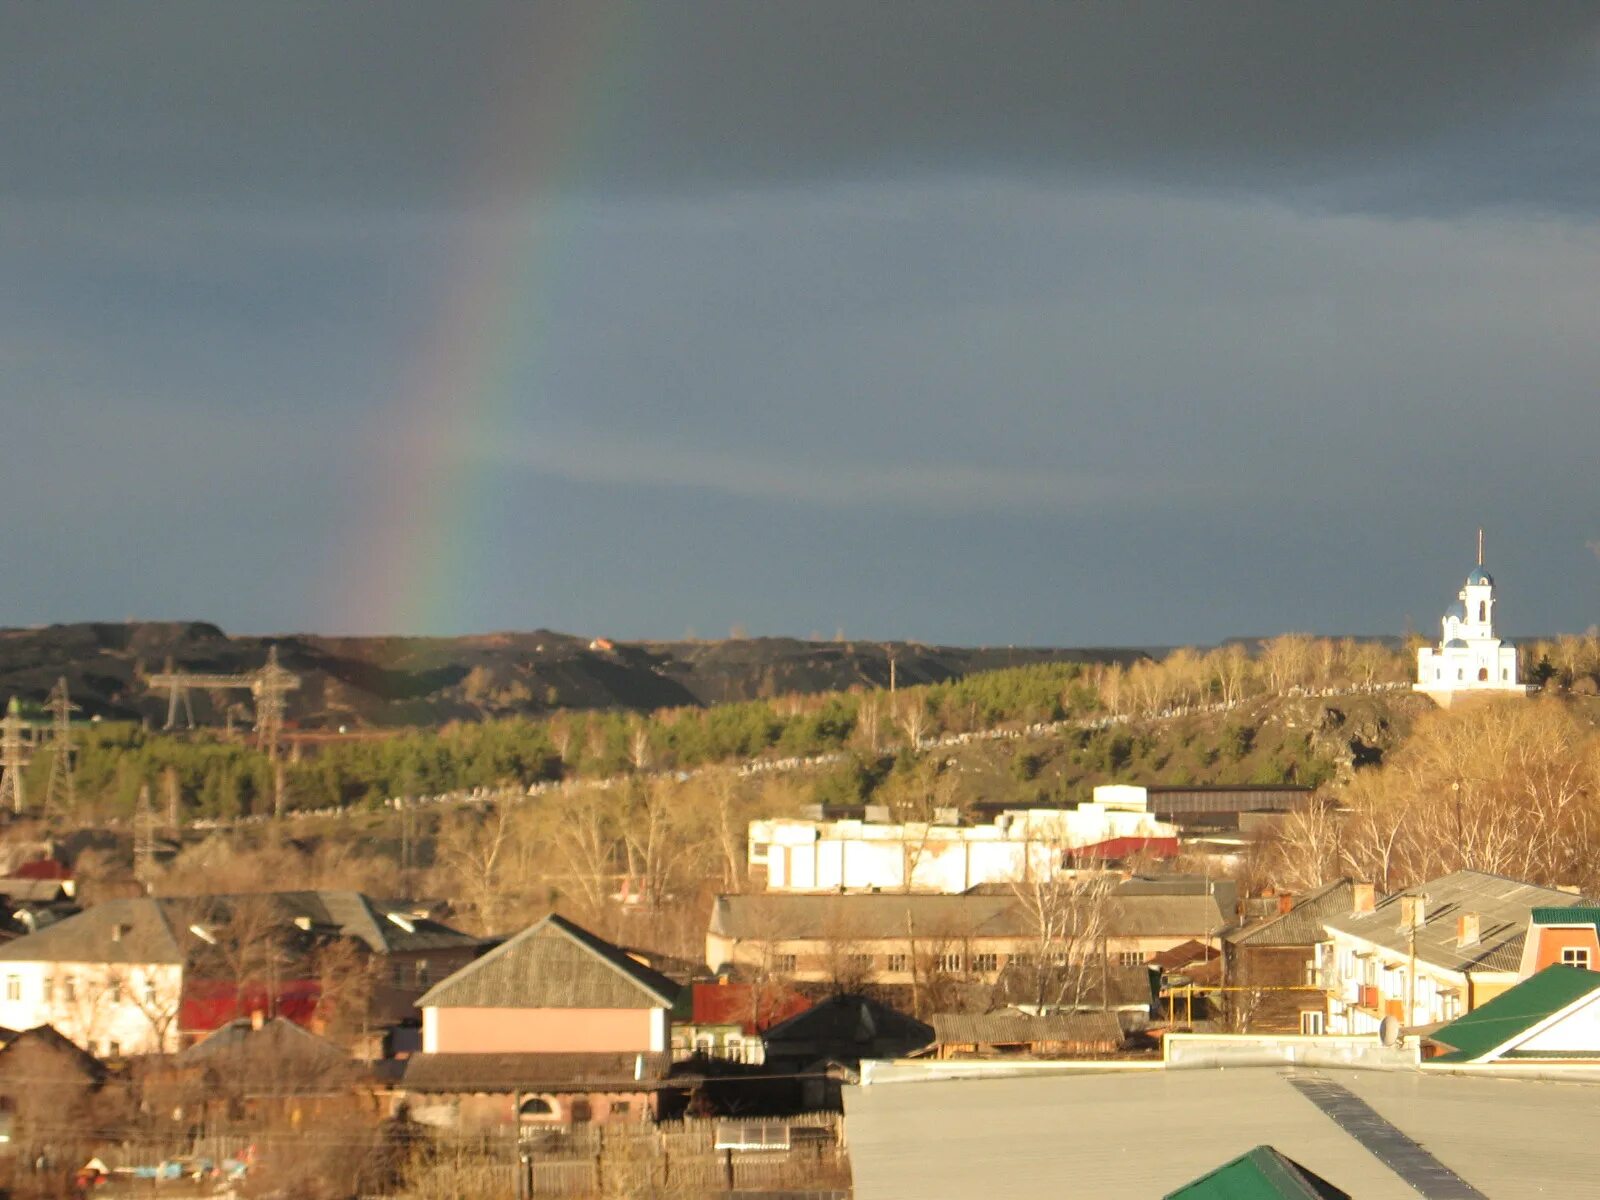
{"x": 1389, "y": 1032}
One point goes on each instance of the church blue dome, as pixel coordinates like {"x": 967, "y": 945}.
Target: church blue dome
{"x": 1457, "y": 610}
{"x": 1479, "y": 575}
{"x": 1455, "y": 644}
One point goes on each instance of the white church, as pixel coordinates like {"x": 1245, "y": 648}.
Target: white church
{"x": 1470, "y": 659}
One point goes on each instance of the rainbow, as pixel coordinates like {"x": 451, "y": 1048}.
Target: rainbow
{"x": 424, "y": 528}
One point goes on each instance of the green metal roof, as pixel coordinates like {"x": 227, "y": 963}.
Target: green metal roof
{"x": 1582, "y": 915}
{"x": 1515, "y": 1011}
{"x": 1261, "y": 1174}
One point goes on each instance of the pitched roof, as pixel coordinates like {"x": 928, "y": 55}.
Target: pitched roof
{"x": 118, "y": 931}
{"x": 1302, "y": 924}
{"x": 1515, "y": 1012}
{"x": 49, "y": 1039}
{"x": 1259, "y": 1174}
{"x": 534, "y": 1072}
{"x": 553, "y": 964}
{"x": 1503, "y": 905}
{"x": 775, "y": 916}
{"x": 1012, "y": 1026}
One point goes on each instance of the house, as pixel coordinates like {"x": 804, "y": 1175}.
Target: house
{"x": 1466, "y": 933}
{"x": 1011, "y": 1031}
{"x": 1259, "y": 1174}
{"x": 1550, "y": 1017}
{"x": 251, "y": 1070}
{"x": 725, "y": 1019}
{"x": 142, "y": 975}
{"x": 1561, "y": 935}
{"x": 47, "y": 1086}
{"x": 1276, "y": 957}
{"x": 839, "y": 1031}
{"x": 556, "y": 1025}
{"x": 948, "y": 856}
{"x": 897, "y": 938}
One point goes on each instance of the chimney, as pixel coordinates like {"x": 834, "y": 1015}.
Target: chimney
{"x": 119, "y": 931}
{"x": 1469, "y": 928}
{"x": 1363, "y": 898}
{"x": 1285, "y": 903}
{"x": 257, "y": 1018}
{"x": 1413, "y": 912}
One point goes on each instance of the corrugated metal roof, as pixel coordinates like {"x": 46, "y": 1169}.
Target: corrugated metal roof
{"x": 534, "y": 1072}
{"x": 1260, "y": 1174}
{"x": 1515, "y": 1012}
{"x": 1302, "y": 924}
{"x": 1504, "y": 907}
{"x": 553, "y": 964}
{"x": 118, "y": 931}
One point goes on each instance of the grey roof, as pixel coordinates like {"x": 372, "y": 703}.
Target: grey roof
{"x": 1504, "y": 907}
{"x": 491, "y": 1073}
{"x": 300, "y": 1059}
{"x": 553, "y": 964}
{"x": 118, "y": 931}
{"x": 882, "y": 915}
{"x": 1143, "y": 1133}
{"x": 1012, "y": 1026}
{"x": 1302, "y": 924}
{"x": 156, "y": 930}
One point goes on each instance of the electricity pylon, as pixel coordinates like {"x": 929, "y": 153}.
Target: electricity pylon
{"x": 60, "y": 794}
{"x": 14, "y": 755}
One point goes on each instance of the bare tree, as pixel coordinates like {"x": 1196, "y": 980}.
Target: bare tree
{"x": 1066, "y": 923}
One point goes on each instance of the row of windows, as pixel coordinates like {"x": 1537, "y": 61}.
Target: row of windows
{"x": 66, "y": 989}
{"x": 956, "y": 961}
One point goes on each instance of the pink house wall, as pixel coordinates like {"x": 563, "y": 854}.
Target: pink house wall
{"x": 542, "y": 1030}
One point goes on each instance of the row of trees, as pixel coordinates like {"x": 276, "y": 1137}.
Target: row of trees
{"x": 1510, "y": 787}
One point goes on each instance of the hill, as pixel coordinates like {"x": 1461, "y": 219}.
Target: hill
{"x": 404, "y": 681}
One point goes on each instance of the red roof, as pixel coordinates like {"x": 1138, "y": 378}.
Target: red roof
{"x": 209, "y": 1004}
{"x": 42, "y": 868}
{"x": 736, "y": 1004}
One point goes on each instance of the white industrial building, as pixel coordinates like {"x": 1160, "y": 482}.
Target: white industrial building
{"x": 949, "y": 857}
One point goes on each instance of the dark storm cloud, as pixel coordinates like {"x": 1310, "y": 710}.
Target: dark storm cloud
{"x": 403, "y": 104}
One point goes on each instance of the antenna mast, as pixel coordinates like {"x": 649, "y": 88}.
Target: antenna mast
{"x": 1480, "y": 545}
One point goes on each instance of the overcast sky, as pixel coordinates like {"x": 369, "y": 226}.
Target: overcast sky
{"x": 988, "y": 323}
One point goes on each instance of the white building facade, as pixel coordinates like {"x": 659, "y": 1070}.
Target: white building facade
{"x": 109, "y": 1009}
{"x": 1470, "y": 659}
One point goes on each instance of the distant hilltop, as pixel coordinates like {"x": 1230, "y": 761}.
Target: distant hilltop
{"x": 422, "y": 681}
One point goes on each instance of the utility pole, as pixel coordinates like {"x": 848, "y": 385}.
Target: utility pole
{"x": 170, "y": 779}
{"x": 60, "y": 793}
{"x": 13, "y": 757}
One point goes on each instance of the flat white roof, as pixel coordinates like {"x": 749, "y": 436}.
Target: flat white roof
{"x": 1143, "y": 1134}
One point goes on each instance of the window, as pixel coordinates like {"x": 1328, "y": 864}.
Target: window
{"x": 1129, "y": 958}
{"x": 47, "y": 989}
{"x": 13, "y": 987}
{"x": 621, "y": 1108}
{"x": 69, "y": 988}
{"x": 783, "y": 962}
{"x": 860, "y": 962}
{"x": 1575, "y": 956}
{"x": 114, "y": 989}
{"x": 149, "y": 991}
{"x": 422, "y": 972}
{"x": 534, "y": 1107}
{"x": 113, "y": 1048}
{"x": 1483, "y": 674}
{"x": 986, "y": 962}
{"x": 1483, "y": 611}
{"x": 1311, "y": 1023}
{"x": 899, "y": 962}
{"x": 950, "y": 962}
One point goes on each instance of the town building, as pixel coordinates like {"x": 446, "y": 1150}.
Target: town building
{"x": 1275, "y": 959}
{"x": 1012, "y": 1032}
{"x": 888, "y": 938}
{"x": 1465, "y": 933}
{"x": 554, "y": 1026}
{"x": 1469, "y": 659}
{"x": 1568, "y": 936}
{"x": 146, "y": 975}
{"x": 725, "y": 1019}
{"x": 948, "y": 856}
{"x": 1553, "y": 1016}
